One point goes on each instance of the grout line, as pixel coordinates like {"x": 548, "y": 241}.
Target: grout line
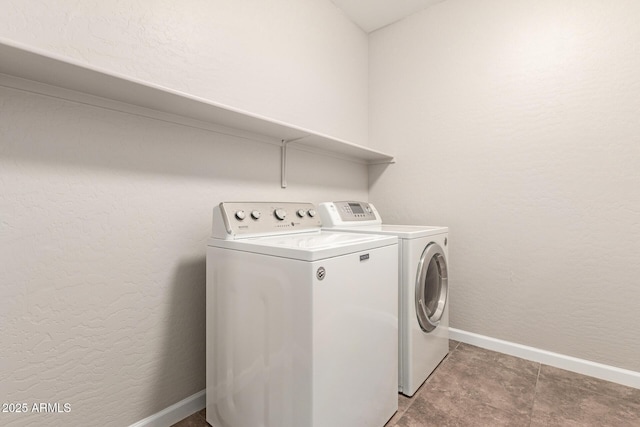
{"x": 535, "y": 394}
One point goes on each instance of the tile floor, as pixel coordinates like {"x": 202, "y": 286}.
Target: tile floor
{"x": 478, "y": 387}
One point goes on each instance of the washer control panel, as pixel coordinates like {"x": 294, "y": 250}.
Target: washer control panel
{"x": 247, "y": 219}
{"x": 356, "y": 213}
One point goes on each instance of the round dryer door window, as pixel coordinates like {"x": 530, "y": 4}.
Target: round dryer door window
{"x": 431, "y": 287}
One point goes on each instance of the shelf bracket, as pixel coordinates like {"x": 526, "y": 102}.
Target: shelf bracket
{"x": 283, "y": 159}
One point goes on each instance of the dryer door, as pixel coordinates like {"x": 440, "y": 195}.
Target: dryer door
{"x": 431, "y": 287}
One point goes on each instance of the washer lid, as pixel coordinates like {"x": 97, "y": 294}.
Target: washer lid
{"x": 308, "y": 246}
{"x": 402, "y": 231}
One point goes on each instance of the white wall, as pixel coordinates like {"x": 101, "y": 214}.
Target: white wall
{"x": 298, "y": 61}
{"x": 104, "y": 216}
{"x": 516, "y": 124}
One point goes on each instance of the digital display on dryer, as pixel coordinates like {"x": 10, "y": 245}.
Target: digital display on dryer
{"x": 356, "y": 208}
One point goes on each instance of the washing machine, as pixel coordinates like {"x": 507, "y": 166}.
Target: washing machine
{"x": 422, "y": 286}
{"x": 302, "y": 324}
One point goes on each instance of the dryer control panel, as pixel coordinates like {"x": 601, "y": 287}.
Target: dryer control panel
{"x": 348, "y": 213}
{"x": 233, "y": 220}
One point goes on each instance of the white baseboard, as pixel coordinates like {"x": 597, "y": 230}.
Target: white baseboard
{"x": 176, "y": 412}
{"x": 569, "y": 363}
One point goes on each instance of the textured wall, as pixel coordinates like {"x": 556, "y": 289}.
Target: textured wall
{"x": 298, "y": 61}
{"x": 104, "y": 215}
{"x": 516, "y": 124}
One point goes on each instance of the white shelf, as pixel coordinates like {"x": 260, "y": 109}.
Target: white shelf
{"x": 43, "y": 72}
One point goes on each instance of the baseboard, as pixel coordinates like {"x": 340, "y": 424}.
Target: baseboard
{"x": 175, "y": 412}
{"x": 569, "y": 363}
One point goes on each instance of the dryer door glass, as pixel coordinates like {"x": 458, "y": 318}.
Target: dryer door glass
{"x": 431, "y": 287}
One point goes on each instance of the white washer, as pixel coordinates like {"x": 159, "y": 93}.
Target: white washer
{"x": 302, "y": 324}
{"x": 422, "y": 286}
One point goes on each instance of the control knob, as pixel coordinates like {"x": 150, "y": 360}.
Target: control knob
{"x": 281, "y": 214}
{"x": 240, "y": 215}
{"x": 300, "y": 213}
{"x": 255, "y": 214}
{"x": 311, "y": 213}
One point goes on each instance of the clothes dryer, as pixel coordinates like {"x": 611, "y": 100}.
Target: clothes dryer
{"x": 422, "y": 286}
{"x": 302, "y": 324}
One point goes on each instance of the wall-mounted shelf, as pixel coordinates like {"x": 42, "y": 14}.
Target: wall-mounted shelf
{"x": 34, "y": 70}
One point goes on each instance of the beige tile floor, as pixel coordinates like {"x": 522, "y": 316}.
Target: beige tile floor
{"x": 478, "y": 387}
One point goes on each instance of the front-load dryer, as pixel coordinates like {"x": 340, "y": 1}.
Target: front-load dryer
{"x": 302, "y": 324}
{"x": 423, "y": 282}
